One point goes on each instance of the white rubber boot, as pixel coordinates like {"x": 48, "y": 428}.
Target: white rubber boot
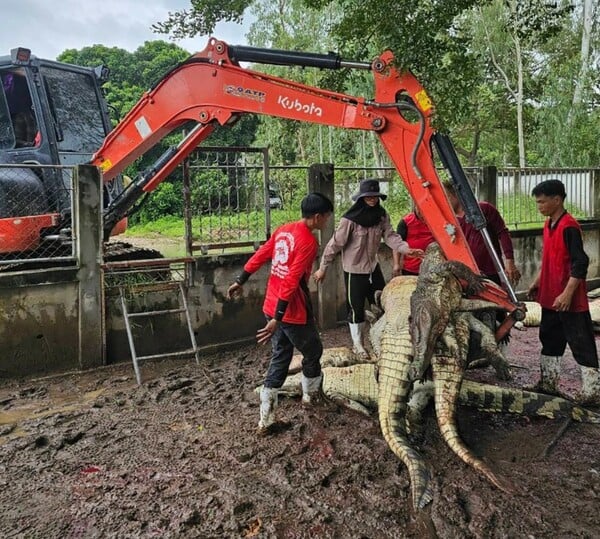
{"x": 356, "y": 332}
{"x": 268, "y": 403}
{"x": 549, "y": 375}
{"x": 311, "y": 388}
{"x": 590, "y": 387}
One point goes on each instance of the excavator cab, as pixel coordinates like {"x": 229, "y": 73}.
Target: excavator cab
{"x": 51, "y": 113}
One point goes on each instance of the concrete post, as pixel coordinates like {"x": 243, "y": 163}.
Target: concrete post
{"x": 87, "y": 219}
{"x": 596, "y": 190}
{"x": 488, "y": 190}
{"x": 320, "y": 179}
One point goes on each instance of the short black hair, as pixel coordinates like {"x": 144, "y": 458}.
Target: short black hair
{"x": 314, "y": 203}
{"x": 550, "y": 188}
{"x": 449, "y": 187}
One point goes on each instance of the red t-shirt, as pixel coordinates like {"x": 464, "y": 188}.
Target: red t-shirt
{"x": 556, "y": 267}
{"x": 292, "y": 250}
{"x": 418, "y": 236}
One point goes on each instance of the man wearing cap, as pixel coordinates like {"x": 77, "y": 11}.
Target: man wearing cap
{"x": 291, "y": 250}
{"x": 358, "y": 237}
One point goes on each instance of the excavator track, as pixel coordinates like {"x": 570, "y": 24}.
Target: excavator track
{"x": 113, "y": 252}
{"x": 118, "y": 251}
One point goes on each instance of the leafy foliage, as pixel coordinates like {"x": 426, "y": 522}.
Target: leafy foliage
{"x": 165, "y": 200}
{"x": 202, "y": 17}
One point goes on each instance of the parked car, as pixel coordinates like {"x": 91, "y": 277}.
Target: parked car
{"x": 275, "y": 202}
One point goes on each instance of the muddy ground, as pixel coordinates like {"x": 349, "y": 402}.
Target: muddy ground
{"x": 94, "y": 455}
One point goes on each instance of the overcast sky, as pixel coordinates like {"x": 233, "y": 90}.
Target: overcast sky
{"x": 48, "y": 27}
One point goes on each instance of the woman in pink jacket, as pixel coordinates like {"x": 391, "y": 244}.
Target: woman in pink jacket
{"x": 358, "y": 237}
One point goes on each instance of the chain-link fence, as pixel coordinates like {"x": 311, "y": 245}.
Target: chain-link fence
{"x": 36, "y": 208}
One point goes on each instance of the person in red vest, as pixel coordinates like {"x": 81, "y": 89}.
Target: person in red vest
{"x": 418, "y": 236}
{"x": 560, "y": 289}
{"x": 291, "y": 251}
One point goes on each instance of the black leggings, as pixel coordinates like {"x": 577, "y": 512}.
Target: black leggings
{"x": 361, "y": 287}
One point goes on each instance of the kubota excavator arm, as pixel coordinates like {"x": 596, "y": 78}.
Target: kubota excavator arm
{"x": 211, "y": 88}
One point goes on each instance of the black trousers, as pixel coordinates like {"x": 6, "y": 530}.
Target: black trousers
{"x": 361, "y": 287}
{"x": 557, "y": 329}
{"x": 306, "y": 339}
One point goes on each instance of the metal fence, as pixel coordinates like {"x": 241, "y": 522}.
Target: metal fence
{"x": 235, "y": 197}
{"x": 511, "y": 192}
{"x": 36, "y": 208}
{"x": 226, "y": 193}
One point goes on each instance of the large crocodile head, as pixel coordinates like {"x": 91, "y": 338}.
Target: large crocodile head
{"x": 427, "y": 319}
{"x": 426, "y": 325}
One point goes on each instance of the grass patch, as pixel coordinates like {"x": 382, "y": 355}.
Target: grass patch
{"x": 170, "y": 226}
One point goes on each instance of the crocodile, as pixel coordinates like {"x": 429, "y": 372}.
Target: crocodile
{"x": 448, "y": 370}
{"x": 355, "y": 387}
{"x": 364, "y": 387}
{"x": 439, "y": 293}
{"x": 391, "y": 341}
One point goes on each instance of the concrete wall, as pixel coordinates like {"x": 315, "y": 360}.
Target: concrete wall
{"x": 38, "y": 322}
{"x": 222, "y": 323}
{"x": 51, "y": 319}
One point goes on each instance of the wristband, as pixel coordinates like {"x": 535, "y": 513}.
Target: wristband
{"x": 280, "y": 309}
{"x": 242, "y": 277}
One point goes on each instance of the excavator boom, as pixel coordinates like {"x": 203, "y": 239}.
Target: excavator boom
{"x": 211, "y": 88}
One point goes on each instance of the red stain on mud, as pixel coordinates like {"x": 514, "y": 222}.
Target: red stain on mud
{"x": 91, "y": 469}
{"x": 321, "y": 445}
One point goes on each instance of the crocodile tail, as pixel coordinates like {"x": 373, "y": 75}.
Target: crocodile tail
{"x": 518, "y": 401}
{"x": 392, "y": 421}
{"x": 396, "y": 355}
{"x": 394, "y": 388}
{"x": 447, "y": 378}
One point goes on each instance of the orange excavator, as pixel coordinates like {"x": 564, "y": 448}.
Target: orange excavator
{"x": 211, "y": 88}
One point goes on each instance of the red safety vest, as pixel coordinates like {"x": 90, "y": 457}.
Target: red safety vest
{"x": 556, "y": 267}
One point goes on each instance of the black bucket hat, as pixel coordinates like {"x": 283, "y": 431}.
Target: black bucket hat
{"x": 368, "y": 188}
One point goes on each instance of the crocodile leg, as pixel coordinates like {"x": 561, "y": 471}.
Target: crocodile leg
{"x": 489, "y": 347}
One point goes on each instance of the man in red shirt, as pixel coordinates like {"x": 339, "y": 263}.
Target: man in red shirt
{"x": 561, "y": 291}
{"x": 500, "y": 237}
{"x": 291, "y": 250}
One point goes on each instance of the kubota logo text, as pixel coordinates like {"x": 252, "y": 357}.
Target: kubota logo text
{"x": 298, "y": 106}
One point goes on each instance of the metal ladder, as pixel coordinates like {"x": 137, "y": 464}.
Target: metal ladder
{"x": 145, "y": 314}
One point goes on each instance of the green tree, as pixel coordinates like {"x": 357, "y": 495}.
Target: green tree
{"x": 567, "y": 117}
{"x": 509, "y": 34}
